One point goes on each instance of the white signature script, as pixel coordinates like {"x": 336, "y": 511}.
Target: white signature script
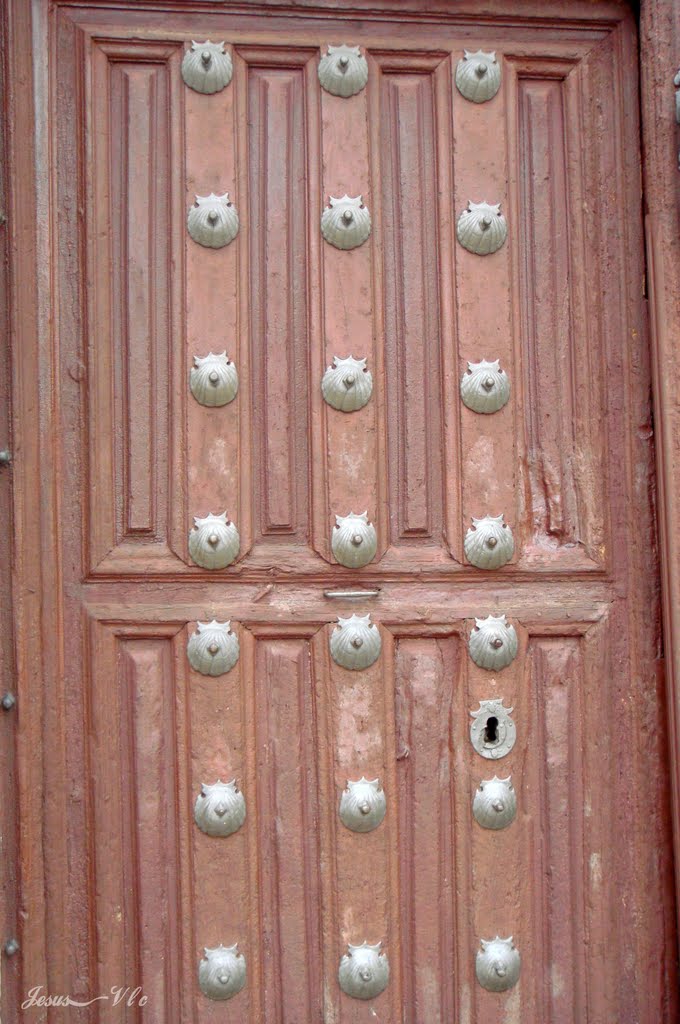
{"x": 117, "y": 995}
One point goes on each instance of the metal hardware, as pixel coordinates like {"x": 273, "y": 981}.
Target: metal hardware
{"x": 222, "y": 972}
{"x": 220, "y": 808}
{"x": 353, "y": 540}
{"x": 364, "y": 971}
{"x": 355, "y": 642}
{"x": 482, "y": 228}
{"x": 11, "y": 947}
{"x": 489, "y": 543}
{"x": 478, "y": 76}
{"x": 8, "y": 702}
{"x": 213, "y": 380}
{"x": 493, "y": 732}
{"x": 498, "y": 964}
{"x": 5, "y": 457}
{"x": 346, "y": 222}
{"x": 213, "y": 221}
{"x": 214, "y": 541}
{"x": 213, "y": 649}
{"x": 206, "y": 67}
{"x": 343, "y": 71}
{"x": 362, "y": 805}
{"x": 493, "y": 643}
{"x": 495, "y": 803}
{"x": 485, "y": 388}
{"x": 350, "y": 595}
{"x": 347, "y": 384}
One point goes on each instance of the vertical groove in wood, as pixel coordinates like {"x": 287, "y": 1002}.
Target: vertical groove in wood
{"x": 425, "y": 667}
{"x": 278, "y": 217}
{"x": 288, "y": 825}
{"x": 377, "y": 299}
{"x": 392, "y": 893}
{"x": 253, "y": 949}
{"x": 244, "y": 437}
{"x": 319, "y": 449}
{"x": 328, "y": 826}
{"x": 185, "y": 830}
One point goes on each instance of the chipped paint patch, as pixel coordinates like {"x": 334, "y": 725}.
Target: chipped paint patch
{"x": 595, "y": 865}
{"x": 556, "y": 981}
{"x": 513, "y": 1008}
{"x": 465, "y": 1005}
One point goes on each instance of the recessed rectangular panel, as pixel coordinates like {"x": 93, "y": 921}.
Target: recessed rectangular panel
{"x": 288, "y": 830}
{"x": 278, "y": 225}
{"x": 556, "y": 797}
{"x": 564, "y": 453}
{"x": 413, "y": 335}
{"x": 135, "y": 411}
{"x": 426, "y": 668}
{"x": 139, "y": 820}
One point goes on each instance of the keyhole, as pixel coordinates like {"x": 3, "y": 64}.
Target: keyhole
{"x": 491, "y": 731}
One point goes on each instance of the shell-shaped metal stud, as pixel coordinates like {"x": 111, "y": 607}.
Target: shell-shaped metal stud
{"x": 492, "y": 731}
{"x": 482, "y": 228}
{"x": 364, "y": 971}
{"x": 213, "y": 380}
{"x": 343, "y": 70}
{"x": 220, "y": 809}
{"x": 354, "y": 540}
{"x": 213, "y": 221}
{"x": 222, "y": 972}
{"x": 213, "y": 649}
{"x": 214, "y": 541}
{"x": 346, "y": 222}
{"x": 478, "y": 76}
{"x": 207, "y": 67}
{"x": 489, "y": 543}
{"x": 485, "y": 387}
{"x": 498, "y": 964}
{"x": 363, "y": 805}
{"x": 347, "y": 384}
{"x": 355, "y": 642}
{"x": 493, "y": 643}
{"x": 495, "y": 803}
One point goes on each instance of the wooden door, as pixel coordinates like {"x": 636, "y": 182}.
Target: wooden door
{"x": 119, "y": 732}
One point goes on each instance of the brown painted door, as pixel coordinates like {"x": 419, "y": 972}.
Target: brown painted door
{"x": 130, "y": 732}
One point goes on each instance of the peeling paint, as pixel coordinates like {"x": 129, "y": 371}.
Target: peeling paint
{"x": 595, "y": 864}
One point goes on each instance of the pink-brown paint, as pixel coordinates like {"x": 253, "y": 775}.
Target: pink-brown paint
{"x": 111, "y": 300}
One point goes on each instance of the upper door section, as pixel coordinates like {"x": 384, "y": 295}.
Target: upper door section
{"x": 417, "y": 301}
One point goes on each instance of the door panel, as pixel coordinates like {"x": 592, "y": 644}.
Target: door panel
{"x": 580, "y": 878}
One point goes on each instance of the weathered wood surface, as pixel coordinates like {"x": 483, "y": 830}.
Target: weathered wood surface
{"x": 110, "y": 302}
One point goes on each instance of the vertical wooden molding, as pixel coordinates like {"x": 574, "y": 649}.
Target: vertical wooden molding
{"x": 32, "y": 500}
{"x": 659, "y": 62}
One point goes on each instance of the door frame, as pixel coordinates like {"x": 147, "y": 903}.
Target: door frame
{"x": 659, "y": 62}
{"x": 30, "y": 508}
